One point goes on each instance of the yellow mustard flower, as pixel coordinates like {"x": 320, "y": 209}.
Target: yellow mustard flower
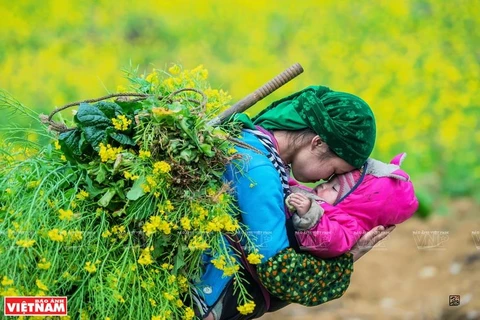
{"x": 130, "y": 176}
{"x": 75, "y": 235}
{"x": 106, "y": 234}
{"x": 10, "y": 292}
{"x": 153, "y": 303}
{"x": 189, "y": 314}
{"x": 161, "y": 167}
{"x": 169, "y": 206}
{"x": 152, "y": 78}
{"x": 26, "y": 243}
{"x": 151, "y": 181}
{"x": 185, "y": 223}
{"x": 11, "y": 234}
{"x": 230, "y": 270}
{"x": 167, "y": 266}
{"x": 33, "y": 184}
{"x": 57, "y": 235}
{"x": 107, "y": 152}
{"x": 247, "y": 308}
{"x": 198, "y": 243}
{"x": 90, "y": 267}
{"x": 41, "y": 285}
{"x": 121, "y": 122}
{"x": 168, "y": 296}
{"x": 229, "y": 223}
{"x": 219, "y": 262}
{"x": 44, "y": 264}
{"x": 175, "y": 69}
{"x": 146, "y": 257}
{"x": 117, "y": 296}
{"x": 82, "y": 195}
{"x": 254, "y": 258}
{"x": 160, "y": 112}
{"x": 6, "y": 281}
{"x": 182, "y": 283}
{"x": 65, "y": 214}
{"x": 144, "y": 154}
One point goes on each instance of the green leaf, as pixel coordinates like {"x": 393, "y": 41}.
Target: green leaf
{"x": 129, "y": 107}
{"x": 207, "y": 149}
{"x": 122, "y": 138}
{"x": 179, "y": 260}
{"x": 136, "y": 191}
{"x": 69, "y": 193}
{"x": 188, "y": 155}
{"x": 186, "y": 125}
{"x": 72, "y": 144}
{"x": 160, "y": 246}
{"x": 101, "y": 174}
{"x": 91, "y": 189}
{"x": 94, "y": 135}
{"x": 176, "y": 107}
{"x": 216, "y": 173}
{"x": 119, "y": 188}
{"x": 93, "y": 122}
{"x": 106, "y": 198}
{"x": 88, "y": 115}
{"x": 109, "y": 109}
{"x": 69, "y": 142}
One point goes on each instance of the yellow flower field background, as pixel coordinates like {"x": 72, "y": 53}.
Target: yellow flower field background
{"x": 417, "y": 63}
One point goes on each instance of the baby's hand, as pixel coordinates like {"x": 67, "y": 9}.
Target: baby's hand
{"x": 300, "y": 202}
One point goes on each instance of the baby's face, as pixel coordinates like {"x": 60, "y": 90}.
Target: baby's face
{"x": 328, "y": 191}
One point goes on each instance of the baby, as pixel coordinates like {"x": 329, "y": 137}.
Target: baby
{"x": 330, "y": 218}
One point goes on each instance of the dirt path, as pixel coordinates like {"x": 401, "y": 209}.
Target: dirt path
{"x": 412, "y": 273}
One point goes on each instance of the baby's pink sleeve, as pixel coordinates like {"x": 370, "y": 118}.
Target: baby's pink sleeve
{"x": 336, "y": 233}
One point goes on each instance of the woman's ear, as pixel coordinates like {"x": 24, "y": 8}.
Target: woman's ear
{"x": 317, "y": 144}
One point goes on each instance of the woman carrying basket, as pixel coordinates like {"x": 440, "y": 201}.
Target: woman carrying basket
{"x": 314, "y": 133}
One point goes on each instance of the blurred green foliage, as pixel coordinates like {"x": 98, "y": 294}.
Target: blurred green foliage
{"x": 416, "y": 62}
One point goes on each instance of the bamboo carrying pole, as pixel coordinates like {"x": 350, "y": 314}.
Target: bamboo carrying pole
{"x": 259, "y": 94}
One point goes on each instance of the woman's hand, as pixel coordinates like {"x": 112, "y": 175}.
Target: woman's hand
{"x": 368, "y": 240}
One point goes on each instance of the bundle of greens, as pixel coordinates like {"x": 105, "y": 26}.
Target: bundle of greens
{"x": 116, "y": 212}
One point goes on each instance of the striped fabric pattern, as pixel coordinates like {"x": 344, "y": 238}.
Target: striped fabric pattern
{"x": 274, "y": 158}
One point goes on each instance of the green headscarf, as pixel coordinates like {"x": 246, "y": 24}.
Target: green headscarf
{"x": 344, "y": 121}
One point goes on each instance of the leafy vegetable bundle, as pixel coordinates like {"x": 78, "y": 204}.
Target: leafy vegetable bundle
{"x": 117, "y": 211}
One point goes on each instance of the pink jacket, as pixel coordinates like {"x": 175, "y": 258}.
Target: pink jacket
{"x": 385, "y": 197}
